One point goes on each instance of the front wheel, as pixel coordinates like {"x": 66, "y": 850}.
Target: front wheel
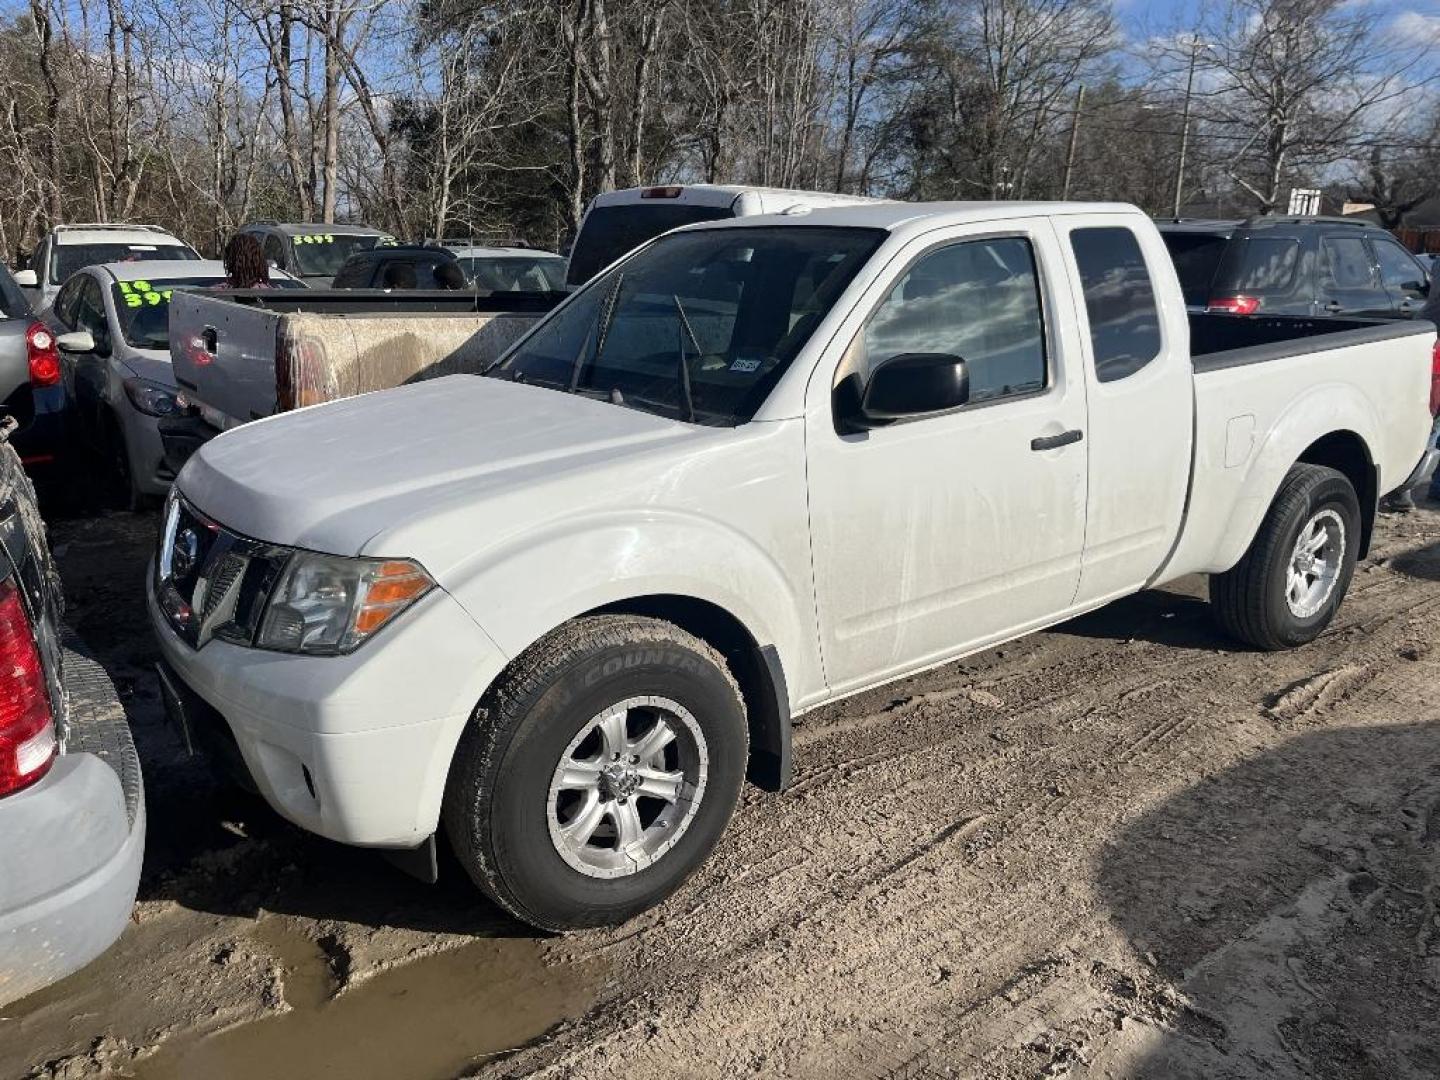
{"x": 598, "y": 773}
{"x": 1288, "y": 586}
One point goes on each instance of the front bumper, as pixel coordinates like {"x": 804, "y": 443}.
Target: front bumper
{"x": 71, "y": 845}
{"x": 356, "y": 748}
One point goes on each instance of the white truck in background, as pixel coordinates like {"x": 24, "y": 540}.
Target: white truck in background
{"x": 756, "y": 466}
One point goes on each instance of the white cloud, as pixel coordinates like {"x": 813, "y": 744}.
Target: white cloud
{"x": 1414, "y": 28}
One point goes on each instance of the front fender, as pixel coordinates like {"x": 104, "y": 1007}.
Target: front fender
{"x": 523, "y": 590}
{"x": 1325, "y": 409}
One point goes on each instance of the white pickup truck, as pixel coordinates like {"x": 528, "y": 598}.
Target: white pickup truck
{"x": 753, "y": 467}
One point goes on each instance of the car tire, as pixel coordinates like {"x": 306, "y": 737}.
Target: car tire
{"x": 520, "y": 796}
{"x": 1288, "y": 586}
{"x": 126, "y": 494}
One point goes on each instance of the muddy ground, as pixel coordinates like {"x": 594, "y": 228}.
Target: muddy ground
{"x": 1122, "y": 848}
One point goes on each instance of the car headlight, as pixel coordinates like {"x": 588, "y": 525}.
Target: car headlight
{"x": 329, "y": 604}
{"x": 154, "y": 399}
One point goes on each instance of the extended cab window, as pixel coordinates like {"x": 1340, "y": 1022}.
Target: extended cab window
{"x": 698, "y": 325}
{"x": 1119, "y": 300}
{"x": 978, "y": 300}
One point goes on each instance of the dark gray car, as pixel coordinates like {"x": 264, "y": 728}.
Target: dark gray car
{"x": 313, "y": 253}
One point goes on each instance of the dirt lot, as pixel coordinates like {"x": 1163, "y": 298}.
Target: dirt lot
{"x": 1123, "y": 848}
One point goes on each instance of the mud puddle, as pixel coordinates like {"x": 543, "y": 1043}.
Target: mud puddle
{"x": 434, "y": 1018}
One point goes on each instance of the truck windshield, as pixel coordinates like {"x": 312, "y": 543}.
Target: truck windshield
{"x": 610, "y": 231}
{"x": 699, "y": 325}
{"x": 322, "y": 254}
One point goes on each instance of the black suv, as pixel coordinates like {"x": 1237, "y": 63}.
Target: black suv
{"x": 1295, "y": 266}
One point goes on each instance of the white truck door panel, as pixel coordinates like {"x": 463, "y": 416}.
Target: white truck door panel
{"x": 937, "y": 534}
{"x": 1140, "y": 393}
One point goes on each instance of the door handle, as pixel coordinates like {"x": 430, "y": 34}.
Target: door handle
{"x": 1054, "y": 442}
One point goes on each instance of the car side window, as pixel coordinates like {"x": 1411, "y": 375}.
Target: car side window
{"x": 65, "y": 302}
{"x": 1119, "y": 300}
{"x": 1399, "y": 270}
{"x": 978, "y": 300}
{"x": 274, "y": 250}
{"x": 90, "y": 314}
{"x": 1345, "y": 263}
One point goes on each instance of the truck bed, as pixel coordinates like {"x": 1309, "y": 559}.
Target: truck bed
{"x": 243, "y": 355}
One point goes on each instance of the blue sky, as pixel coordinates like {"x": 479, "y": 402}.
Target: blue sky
{"x": 1143, "y": 18}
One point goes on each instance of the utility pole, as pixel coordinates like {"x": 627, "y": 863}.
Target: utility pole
{"x": 1074, "y": 141}
{"x": 1185, "y": 128}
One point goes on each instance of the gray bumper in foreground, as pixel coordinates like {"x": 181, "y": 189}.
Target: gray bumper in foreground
{"x": 71, "y": 846}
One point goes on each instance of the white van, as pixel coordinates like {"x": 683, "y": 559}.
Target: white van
{"x": 620, "y": 221}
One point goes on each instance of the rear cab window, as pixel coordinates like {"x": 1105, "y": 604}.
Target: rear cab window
{"x": 610, "y": 231}
{"x": 1119, "y": 300}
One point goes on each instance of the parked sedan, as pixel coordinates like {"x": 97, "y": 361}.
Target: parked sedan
{"x": 72, "y": 812}
{"x": 112, "y": 325}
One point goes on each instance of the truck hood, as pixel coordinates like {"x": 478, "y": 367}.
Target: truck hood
{"x": 331, "y": 477}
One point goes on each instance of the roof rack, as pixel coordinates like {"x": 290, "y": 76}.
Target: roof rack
{"x": 481, "y": 240}
{"x": 116, "y": 225}
{"x": 1307, "y": 219}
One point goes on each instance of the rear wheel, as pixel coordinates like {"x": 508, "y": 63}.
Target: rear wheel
{"x": 1288, "y": 586}
{"x": 598, "y": 773}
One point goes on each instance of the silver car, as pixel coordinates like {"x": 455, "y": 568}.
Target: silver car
{"x": 111, "y": 323}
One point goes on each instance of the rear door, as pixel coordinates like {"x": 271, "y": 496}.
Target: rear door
{"x": 1139, "y": 391}
{"x": 1349, "y": 280}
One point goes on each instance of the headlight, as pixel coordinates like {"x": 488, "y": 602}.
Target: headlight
{"x": 328, "y": 604}
{"x": 154, "y": 399}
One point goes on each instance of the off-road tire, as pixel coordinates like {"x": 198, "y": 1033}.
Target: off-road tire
{"x": 497, "y": 811}
{"x": 1249, "y": 599}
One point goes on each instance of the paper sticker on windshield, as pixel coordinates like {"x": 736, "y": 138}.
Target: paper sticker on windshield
{"x": 140, "y": 293}
{"x": 744, "y": 365}
{"x": 316, "y": 238}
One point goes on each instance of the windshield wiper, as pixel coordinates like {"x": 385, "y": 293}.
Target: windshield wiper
{"x": 602, "y": 331}
{"x": 686, "y": 398}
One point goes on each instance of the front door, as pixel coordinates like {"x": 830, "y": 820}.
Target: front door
{"x": 938, "y": 535}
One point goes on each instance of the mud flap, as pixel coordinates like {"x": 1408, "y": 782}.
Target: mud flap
{"x": 421, "y": 863}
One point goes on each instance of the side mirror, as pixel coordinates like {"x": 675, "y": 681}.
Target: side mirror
{"x": 27, "y": 279}
{"x": 1419, "y": 288}
{"x": 912, "y": 386}
{"x": 76, "y": 341}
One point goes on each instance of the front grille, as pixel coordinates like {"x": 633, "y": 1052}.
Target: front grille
{"x": 210, "y": 581}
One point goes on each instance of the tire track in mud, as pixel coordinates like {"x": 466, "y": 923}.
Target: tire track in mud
{"x": 822, "y": 888}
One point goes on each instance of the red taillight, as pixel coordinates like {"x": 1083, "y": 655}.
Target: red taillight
{"x": 27, "y": 730}
{"x": 1435, "y": 380}
{"x": 44, "y": 357}
{"x": 671, "y": 191}
{"x": 1234, "y": 305}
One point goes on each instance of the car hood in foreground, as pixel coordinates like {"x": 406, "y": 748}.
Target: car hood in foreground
{"x": 331, "y": 477}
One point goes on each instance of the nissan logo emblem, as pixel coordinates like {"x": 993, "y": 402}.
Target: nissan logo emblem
{"x": 187, "y": 550}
